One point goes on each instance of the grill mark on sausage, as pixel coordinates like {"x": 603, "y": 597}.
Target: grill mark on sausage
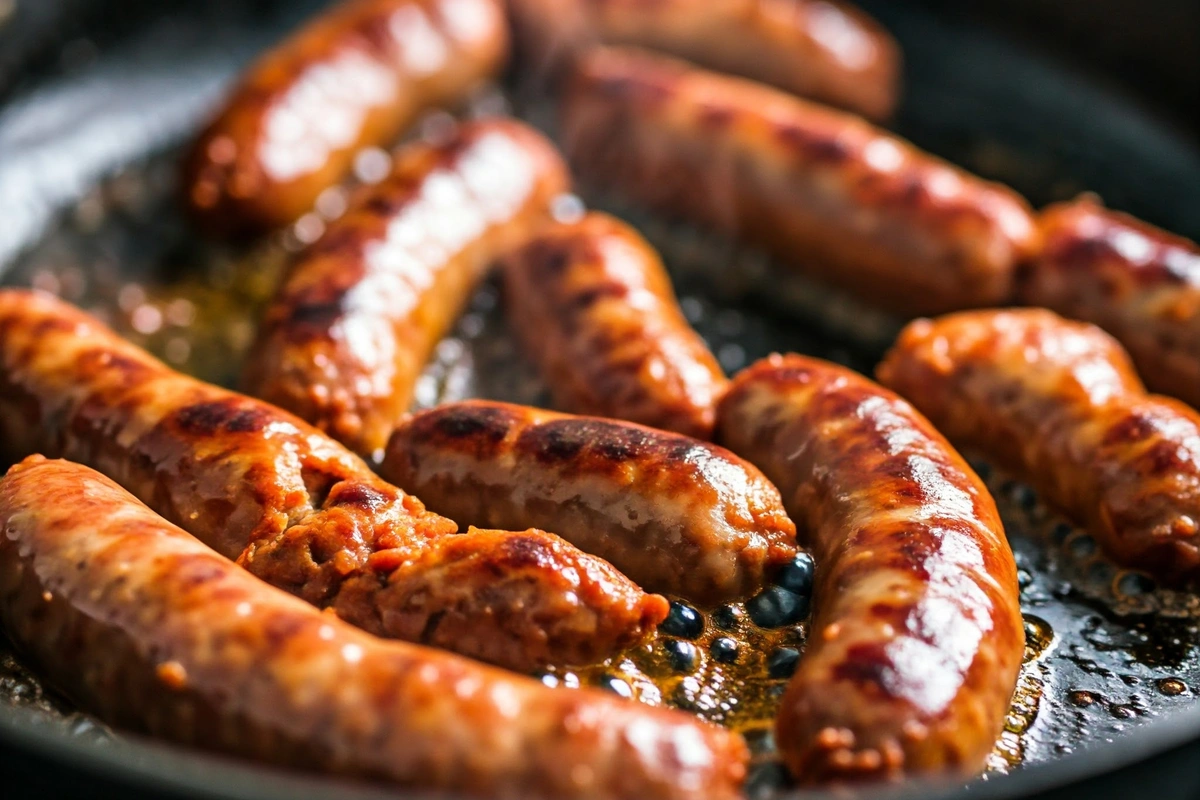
{"x": 222, "y": 416}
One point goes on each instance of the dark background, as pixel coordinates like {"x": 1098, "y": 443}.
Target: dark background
{"x": 1150, "y": 48}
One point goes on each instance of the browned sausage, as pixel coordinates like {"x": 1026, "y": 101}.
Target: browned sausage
{"x": 1059, "y": 403}
{"x": 822, "y": 190}
{"x": 829, "y": 51}
{"x": 360, "y": 311}
{"x": 1138, "y": 282}
{"x": 917, "y": 633}
{"x": 593, "y": 305}
{"x": 297, "y": 509}
{"x": 139, "y": 622}
{"x": 356, "y": 76}
{"x": 674, "y": 514}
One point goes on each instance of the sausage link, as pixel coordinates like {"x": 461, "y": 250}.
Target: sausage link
{"x": 356, "y": 76}
{"x": 674, "y": 514}
{"x": 593, "y": 305}
{"x": 297, "y": 509}
{"x": 360, "y": 311}
{"x": 822, "y": 190}
{"x": 829, "y": 51}
{"x": 1058, "y": 402}
{"x": 917, "y": 637}
{"x": 140, "y": 623}
{"x": 1138, "y": 282}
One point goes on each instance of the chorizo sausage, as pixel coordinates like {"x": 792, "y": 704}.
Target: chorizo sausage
{"x": 1139, "y": 283}
{"x": 674, "y": 514}
{"x": 829, "y": 51}
{"x": 917, "y": 635}
{"x": 1058, "y": 402}
{"x": 593, "y": 305}
{"x": 297, "y": 509}
{"x": 356, "y": 76}
{"x": 824, "y": 191}
{"x": 359, "y": 312}
{"x": 139, "y": 622}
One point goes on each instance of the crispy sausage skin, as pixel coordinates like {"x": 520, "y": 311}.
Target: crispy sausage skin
{"x": 297, "y": 509}
{"x": 917, "y": 634}
{"x": 1058, "y": 402}
{"x": 355, "y": 76}
{"x": 594, "y": 307}
{"x": 674, "y": 514}
{"x": 829, "y": 51}
{"x": 360, "y": 311}
{"x": 1138, "y": 282}
{"x": 822, "y": 190}
{"x": 144, "y": 625}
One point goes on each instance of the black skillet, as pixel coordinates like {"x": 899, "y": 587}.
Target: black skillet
{"x": 1051, "y": 97}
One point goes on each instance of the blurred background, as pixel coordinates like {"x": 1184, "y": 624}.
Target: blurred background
{"x": 1151, "y": 48}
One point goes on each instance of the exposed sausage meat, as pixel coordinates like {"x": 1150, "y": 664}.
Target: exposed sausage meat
{"x": 297, "y": 509}
{"x": 675, "y": 514}
{"x": 142, "y": 624}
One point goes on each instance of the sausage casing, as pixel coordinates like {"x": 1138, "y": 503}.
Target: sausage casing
{"x": 1058, "y": 402}
{"x": 917, "y": 635}
{"x": 360, "y": 311}
{"x": 594, "y": 307}
{"x": 822, "y": 190}
{"x": 355, "y": 76}
{"x": 674, "y": 514}
{"x": 297, "y": 509}
{"x": 829, "y": 51}
{"x": 1139, "y": 283}
{"x": 139, "y": 622}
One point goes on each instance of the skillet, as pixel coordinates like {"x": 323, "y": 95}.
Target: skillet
{"x": 95, "y": 108}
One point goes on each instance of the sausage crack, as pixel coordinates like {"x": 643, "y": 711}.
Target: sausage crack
{"x": 297, "y": 509}
{"x": 160, "y": 634}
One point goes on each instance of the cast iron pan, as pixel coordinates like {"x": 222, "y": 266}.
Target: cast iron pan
{"x": 95, "y": 104}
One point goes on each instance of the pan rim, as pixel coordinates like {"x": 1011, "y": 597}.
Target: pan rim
{"x": 242, "y": 779}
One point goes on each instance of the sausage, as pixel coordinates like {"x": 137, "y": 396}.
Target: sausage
{"x": 1138, "y": 282}
{"x": 824, "y": 191}
{"x": 141, "y": 623}
{"x": 917, "y": 635}
{"x": 360, "y": 311}
{"x": 674, "y": 514}
{"x": 356, "y": 76}
{"x": 1058, "y": 403}
{"x": 295, "y": 508}
{"x": 829, "y": 51}
{"x": 592, "y": 304}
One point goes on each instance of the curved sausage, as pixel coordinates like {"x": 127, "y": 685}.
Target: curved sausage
{"x": 829, "y": 51}
{"x": 917, "y": 635}
{"x": 295, "y": 508}
{"x": 1139, "y": 283}
{"x": 1058, "y": 402}
{"x": 142, "y": 624}
{"x": 594, "y": 307}
{"x": 674, "y": 514}
{"x": 824, "y": 191}
{"x": 360, "y": 311}
{"x": 357, "y": 75}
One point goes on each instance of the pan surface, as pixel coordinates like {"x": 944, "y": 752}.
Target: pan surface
{"x": 88, "y": 148}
